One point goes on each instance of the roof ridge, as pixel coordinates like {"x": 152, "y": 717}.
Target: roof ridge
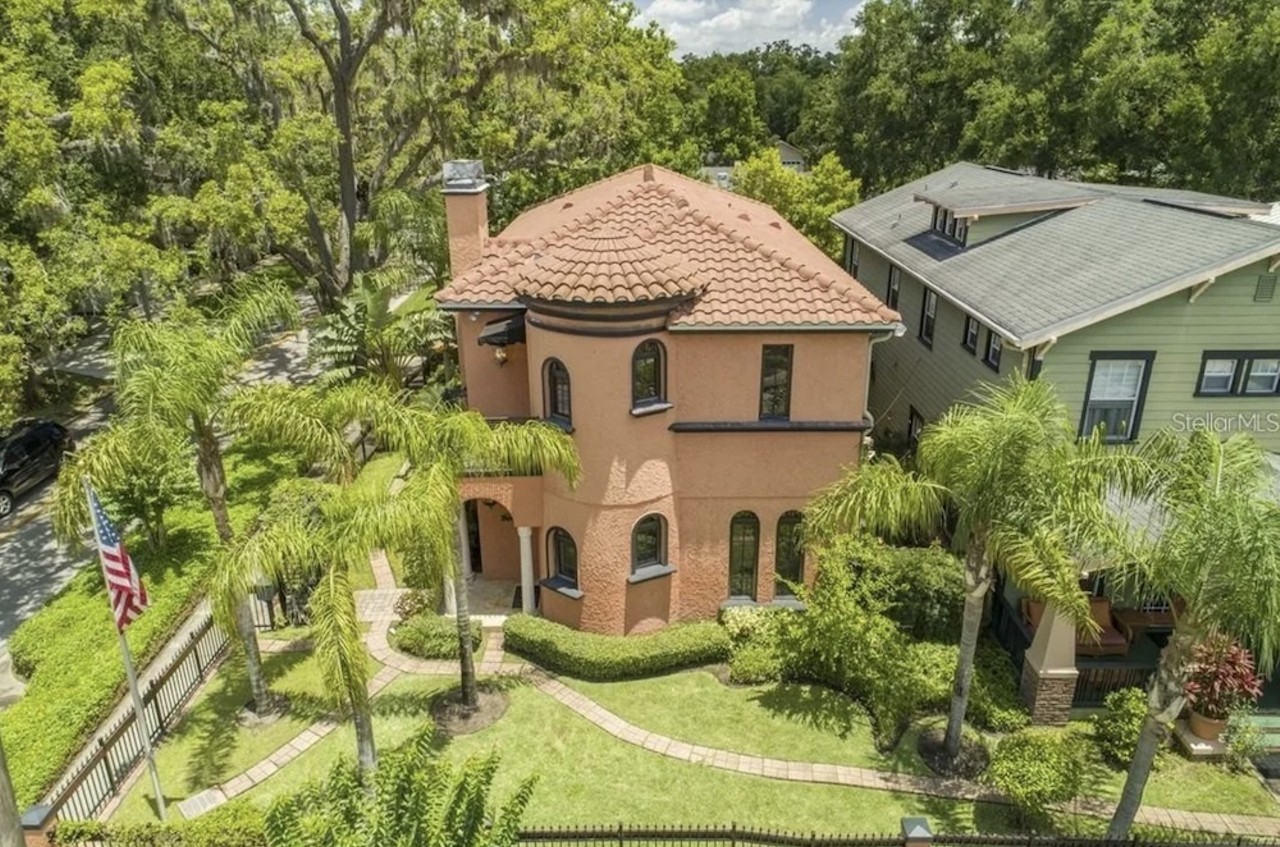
{"x": 869, "y": 302}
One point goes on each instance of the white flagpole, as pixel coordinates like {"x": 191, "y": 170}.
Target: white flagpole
{"x": 139, "y": 711}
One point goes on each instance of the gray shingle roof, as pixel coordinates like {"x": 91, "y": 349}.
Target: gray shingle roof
{"x": 1068, "y": 268}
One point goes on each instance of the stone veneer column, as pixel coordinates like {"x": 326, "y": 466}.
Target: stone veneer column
{"x": 526, "y": 568}
{"x": 1049, "y": 669}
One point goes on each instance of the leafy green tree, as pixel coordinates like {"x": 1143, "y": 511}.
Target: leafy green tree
{"x": 1007, "y": 480}
{"x": 416, "y": 799}
{"x": 806, "y": 200}
{"x": 729, "y": 124}
{"x": 1214, "y": 545}
{"x": 139, "y": 470}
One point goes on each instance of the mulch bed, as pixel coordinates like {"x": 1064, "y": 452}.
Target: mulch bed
{"x": 969, "y": 764}
{"x": 453, "y": 719}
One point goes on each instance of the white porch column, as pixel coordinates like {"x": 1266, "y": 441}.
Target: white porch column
{"x": 526, "y": 568}
{"x": 464, "y": 544}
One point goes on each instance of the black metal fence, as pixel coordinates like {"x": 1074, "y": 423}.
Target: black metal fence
{"x": 86, "y": 790}
{"x": 1100, "y": 677}
{"x": 735, "y": 836}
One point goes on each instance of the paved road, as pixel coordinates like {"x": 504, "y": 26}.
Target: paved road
{"x": 32, "y": 566}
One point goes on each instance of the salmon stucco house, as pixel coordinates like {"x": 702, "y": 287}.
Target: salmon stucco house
{"x": 711, "y": 365}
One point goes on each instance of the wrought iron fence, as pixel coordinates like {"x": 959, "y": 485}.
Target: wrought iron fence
{"x": 1100, "y": 677}
{"x": 86, "y": 790}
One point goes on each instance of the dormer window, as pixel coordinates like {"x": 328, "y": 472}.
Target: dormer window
{"x": 946, "y": 223}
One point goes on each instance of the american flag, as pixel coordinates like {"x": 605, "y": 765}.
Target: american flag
{"x": 127, "y": 593}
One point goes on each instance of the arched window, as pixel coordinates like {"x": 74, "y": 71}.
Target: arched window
{"x": 563, "y": 554}
{"x": 648, "y": 374}
{"x": 788, "y": 552}
{"x": 555, "y": 377}
{"x": 744, "y": 554}
{"x": 649, "y": 542}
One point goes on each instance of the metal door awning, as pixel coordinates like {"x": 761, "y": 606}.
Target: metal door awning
{"x": 503, "y": 331}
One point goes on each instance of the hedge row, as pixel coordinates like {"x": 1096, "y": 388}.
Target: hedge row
{"x": 69, "y": 654}
{"x": 430, "y": 636}
{"x": 236, "y": 824}
{"x": 611, "y": 657}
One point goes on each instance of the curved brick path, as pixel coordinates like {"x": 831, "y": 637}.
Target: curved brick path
{"x": 377, "y": 608}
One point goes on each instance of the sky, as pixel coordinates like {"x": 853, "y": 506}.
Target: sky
{"x": 707, "y": 26}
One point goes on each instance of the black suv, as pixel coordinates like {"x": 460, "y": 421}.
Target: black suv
{"x": 30, "y": 454}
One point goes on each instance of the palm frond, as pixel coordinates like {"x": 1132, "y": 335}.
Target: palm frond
{"x": 339, "y": 650}
{"x": 293, "y": 417}
{"x": 881, "y": 497}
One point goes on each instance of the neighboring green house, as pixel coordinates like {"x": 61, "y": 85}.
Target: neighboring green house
{"x": 1146, "y": 308}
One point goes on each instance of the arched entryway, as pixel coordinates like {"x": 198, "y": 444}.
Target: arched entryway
{"x": 493, "y": 553}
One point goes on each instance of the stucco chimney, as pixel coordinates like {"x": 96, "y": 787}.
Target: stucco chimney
{"x": 466, "y": 210}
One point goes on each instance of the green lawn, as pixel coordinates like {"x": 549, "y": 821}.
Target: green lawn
{"x": 803, "y": 723}
{"x": 1179, "y": 783}
{"x": 588, "y": 777}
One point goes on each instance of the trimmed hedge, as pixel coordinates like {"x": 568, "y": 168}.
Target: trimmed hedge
{"x": 69, "y": 653}
{"x": 604, "y": 658}
{"x": 236, "y": 824}
{"x": 432, "y": 636}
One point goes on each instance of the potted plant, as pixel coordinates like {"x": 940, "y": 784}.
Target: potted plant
{"x": 1221, "y": 679}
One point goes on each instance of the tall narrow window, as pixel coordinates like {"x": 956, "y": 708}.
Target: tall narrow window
{"x": 648, "y": 543}
{"x": 556, "y": 379}
{"x": 744, "y": 554}
{"x": 962, "y": 230}
{"x": 853, "y": 257}
{"x": 970, "y": 340}
{"x": 928, "y": 316}
{"x": 775, "y": 382}
{"x": 788, "y": 553}
{"x": 1117, "y": 388}
{"x": 995, "y": 345}
{"x": 895, "y": 287}
{"x": 648, "y": 376}
{"x": 564, "y": 555}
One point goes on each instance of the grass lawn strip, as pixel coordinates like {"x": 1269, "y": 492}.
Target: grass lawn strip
{"x": 69, "y": 652}
{"x": 802, "y": 723}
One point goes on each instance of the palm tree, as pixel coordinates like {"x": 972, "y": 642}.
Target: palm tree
{"x": 10, "y": 827}
{"x": 444, "y": 444}
{"x": 416, "y": 799}
{"x": 1006, "y": 478}
{"x": 1214, "y": 546}
{"x": 180, "y": 374}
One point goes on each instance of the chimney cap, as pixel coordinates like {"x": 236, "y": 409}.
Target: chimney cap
{"x": 464, "y": 176}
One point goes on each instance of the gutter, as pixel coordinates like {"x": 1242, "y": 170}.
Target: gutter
{"x": 899, "y": 330}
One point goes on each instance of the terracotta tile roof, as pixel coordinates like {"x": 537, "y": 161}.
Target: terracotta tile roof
{"x": 649, "y": 233}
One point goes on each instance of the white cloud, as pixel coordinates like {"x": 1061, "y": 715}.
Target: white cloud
{"x": 706, "y": 26}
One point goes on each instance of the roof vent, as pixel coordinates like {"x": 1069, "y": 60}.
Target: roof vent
{"x": 744, "y": 217}
{"x": 1266, "y": 290}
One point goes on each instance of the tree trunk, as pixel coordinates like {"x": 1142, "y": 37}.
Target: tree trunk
{"x": 10, "y": 825}
{"x": 213, "y": 483}
{"x": 466, "y": 649}
{"x": 366, "y": 752}
{"x": 977, "y": 582}
{"x": 1165, "y": 700}
{"x": 346, "y": 261}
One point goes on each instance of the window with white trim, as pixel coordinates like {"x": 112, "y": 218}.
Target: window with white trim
{"x": 928, "y": 316}
{"x": 1263, "y": 376}
{"x": 895, "y": 287}
{"x": 995, "y": 345}
{"x": 1231, "y": 373}
{"x": 1218, "y": 376}
{"x": 970, "y": 340}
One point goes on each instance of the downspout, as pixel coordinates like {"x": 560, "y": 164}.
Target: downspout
{"x": 899, "y": 330}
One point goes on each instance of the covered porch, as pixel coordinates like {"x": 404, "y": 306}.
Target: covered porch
{"x": 496, "y": 529}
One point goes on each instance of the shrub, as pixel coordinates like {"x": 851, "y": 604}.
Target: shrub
{"x": 995, "y": 702}
{"x": 755, "y": 662}
{"x": 610, "y": 657}
{"x": 1221, "y": 678}
{"x": 755, "y": 634}
{"x": 432, "y": 637}
{"x": 235, "y": 824}
{"x": 1116, "y": 730}
{"x": 68, "y": 651}
{"x": 1037, "y": 768}
{"x": 414, "y": 602}
{"x": 921, "y": 588}
{"x": 1244, "y": 741}
{"x": 844, "y": 642}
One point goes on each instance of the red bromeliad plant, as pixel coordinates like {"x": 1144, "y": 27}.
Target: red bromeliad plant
{"x": 1221, "y": 678}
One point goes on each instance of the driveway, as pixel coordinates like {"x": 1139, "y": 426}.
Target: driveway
{"x": 33, "y": 567}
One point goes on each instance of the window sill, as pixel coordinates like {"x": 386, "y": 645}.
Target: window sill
{"x": 562, "y": 586}
{"x": 927, "y": 342}
{"x": 739, "y": 603}
{"x": 788, "y": 602}
{"x": 995, "y": 367}
{"x": 649, "y": 572}
{"x": 651, "y": 408}
{"x": 560, "y": 423}
{"x": 972, "y": 351}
